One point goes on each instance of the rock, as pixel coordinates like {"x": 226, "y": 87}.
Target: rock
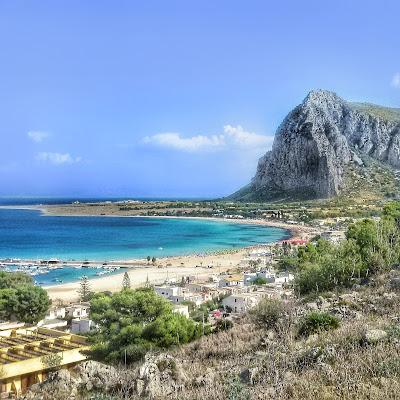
{"x": 140, "y": 385}
{"x": 249, "y": 375}
{"x": 316, "y": 143}
{"x": 372, "y": 336}
{"x": 162, "y": 375}
{"x": 389, "y": 296}
{"x": 312, "y": 338}
{"x": 395, "y": 283}
{"x": 311, "y": 306}
{"x": 207, "y": 379}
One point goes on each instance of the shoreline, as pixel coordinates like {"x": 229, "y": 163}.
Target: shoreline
{"x": 201, "y": 265}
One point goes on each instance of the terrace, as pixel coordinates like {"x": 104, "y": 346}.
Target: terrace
{"x": 23, "y": 352}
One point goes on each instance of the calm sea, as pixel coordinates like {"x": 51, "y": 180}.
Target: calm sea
{"x": 27, "y": 234}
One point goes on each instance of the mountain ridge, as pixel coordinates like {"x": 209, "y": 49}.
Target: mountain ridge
{"x": 317, "y": 142}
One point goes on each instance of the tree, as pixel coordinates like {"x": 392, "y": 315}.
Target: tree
{"x": 126, "y": 282}
{"x": 132, "y": 322}
{"x": 171, "y": 329}
{"x": 32, "y": 304}
{"x": 84, "y": 289}
{"x": 148, "y": 259}
{"x": 11, "y": 280}
{"x": 153, "y": 260}
{"x": 20, "y": 299}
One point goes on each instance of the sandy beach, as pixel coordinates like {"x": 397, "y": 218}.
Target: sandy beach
{"x": 201, "y": 266}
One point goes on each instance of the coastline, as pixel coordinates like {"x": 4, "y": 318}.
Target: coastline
{"x": 202, "y": 266}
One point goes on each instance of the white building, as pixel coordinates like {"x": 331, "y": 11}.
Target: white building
{"x": 81, "y": 325}
{"x": 168, "y": 291}
{"x": 194, "y": 298}
{"x": 250, "y": 277}
{"x": 283, "y": 277}
{"x": 240, "y": 303}
{"x": 56, "y": 312}
{"x": 181, "y": 309}
{"x": 80, "y": 310}
{"x": 231, "y": 281}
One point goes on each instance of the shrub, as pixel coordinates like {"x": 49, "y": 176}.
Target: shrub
{"x": 223, "y": 325}
{"x": 259, "y": 281}
{"x": 268, "y": 313}
{"x": 316, "y": 322}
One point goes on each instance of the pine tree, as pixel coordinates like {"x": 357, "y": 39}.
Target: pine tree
{"x": 84, "y": 290}
{"x": 126, "y": 282}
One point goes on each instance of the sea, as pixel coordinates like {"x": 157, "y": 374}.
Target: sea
{"x": 28, "y": 234}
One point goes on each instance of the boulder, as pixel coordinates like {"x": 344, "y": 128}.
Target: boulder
{"x": 372, "y": 336}
{"x": 249, "y": 375}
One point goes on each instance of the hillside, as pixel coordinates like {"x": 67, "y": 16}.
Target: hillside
{"x": 264, "y": 357}
{"x": 320, "y": 144}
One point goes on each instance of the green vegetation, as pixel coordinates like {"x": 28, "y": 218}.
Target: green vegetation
{"x": 259, "y": 281}
{"x": 269, "y": 313}
{"x": 316, "y": 322}
{"x": 20, "y": 299}
{"x": 386, "y": 113}
{"x": 126, "y": 281}
{"x": 52, "y": 361}
{"x": 132, "y": 322}
{"x": 370, "y": 247}
{"x": 84, "y": 290}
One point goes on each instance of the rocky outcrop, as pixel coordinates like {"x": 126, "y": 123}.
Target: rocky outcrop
{"x": 315, "y": 143}
{"x": 159, "y": 377}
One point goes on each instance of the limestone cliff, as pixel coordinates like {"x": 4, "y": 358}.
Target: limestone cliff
{"x": 315, "y": 144}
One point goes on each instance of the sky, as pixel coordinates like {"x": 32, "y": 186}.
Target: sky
{"x": 173, "y": 98}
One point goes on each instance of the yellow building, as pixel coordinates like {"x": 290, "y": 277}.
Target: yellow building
{"x": 28, "y": 354}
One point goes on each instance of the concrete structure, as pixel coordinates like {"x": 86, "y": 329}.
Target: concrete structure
{"x": 168, "y": 291}
{"x": 80, "y": 310}
{"x": 283, "y": 277}
{"x": 81, "y": 325}
{"x": 194, "y": 298}
{"x": 231, "y": 281}
{"x": 56, "y": 312}
{"x": 55, "y": 323}
{"x": 181, "y": 309}
{"x": 333, "y": 236}
{"x": 239, "y": 303}
{"x": 249, "y": 278}
{"x": 26, "y": 356}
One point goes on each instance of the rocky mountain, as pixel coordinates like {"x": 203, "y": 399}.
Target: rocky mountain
{"x": 319, "y": 142}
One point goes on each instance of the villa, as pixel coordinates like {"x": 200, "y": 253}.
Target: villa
{"x": 26, "y": 356}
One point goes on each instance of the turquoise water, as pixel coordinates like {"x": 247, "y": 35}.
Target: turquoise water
{"x": 65, "y": 274}
{"x": 27, "y": 234}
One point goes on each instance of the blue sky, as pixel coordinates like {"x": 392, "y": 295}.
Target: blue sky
{"x": 173, "y": 98}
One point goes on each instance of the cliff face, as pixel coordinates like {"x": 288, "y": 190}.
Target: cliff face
{"x": 315, "y": 143}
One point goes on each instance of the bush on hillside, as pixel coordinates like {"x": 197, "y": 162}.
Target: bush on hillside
{"x": 268, "y": 313}
{"x": 316, "y": 322}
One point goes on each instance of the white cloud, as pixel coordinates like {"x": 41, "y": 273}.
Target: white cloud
{"x": 396, "y": 80}
{"x": 57, "y": 158}
{"x": 232, "y": 137}
{"x": 38, "y": 136}
{"x": 194, "y": 143}
{"x": 246, "y": 139}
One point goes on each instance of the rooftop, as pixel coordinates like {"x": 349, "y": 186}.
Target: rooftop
{"x": 22, "y": 350}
